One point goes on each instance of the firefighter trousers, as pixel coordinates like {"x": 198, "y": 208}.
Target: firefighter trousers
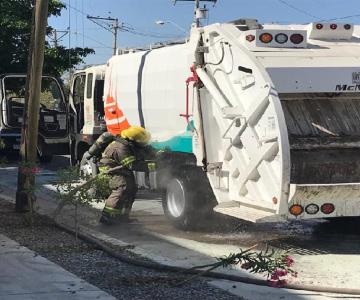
{"x": 123, "y": 191}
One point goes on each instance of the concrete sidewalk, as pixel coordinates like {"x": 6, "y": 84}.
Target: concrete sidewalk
{"x": 25, "y": 275}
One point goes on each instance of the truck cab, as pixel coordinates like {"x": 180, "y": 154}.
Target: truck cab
{"x": 86, "y": 110}
{"x": 53, "y": 128}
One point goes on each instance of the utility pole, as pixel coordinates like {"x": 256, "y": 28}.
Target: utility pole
{"x": 56, "y": 38}
{"x": 29, "y": 139}
{"x": 113, "y": 27}
{"x": 197, "y": 8}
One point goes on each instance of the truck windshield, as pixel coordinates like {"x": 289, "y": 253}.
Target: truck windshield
{"x": 50, "y": 97}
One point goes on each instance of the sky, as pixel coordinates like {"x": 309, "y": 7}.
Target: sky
{"x": 138, "y": 18}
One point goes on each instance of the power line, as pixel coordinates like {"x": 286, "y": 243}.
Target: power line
{"x": 76, "y": 23}
{"x": 113, "y": 27}
{"x": 298, "y": 9}
{"x": 69, "y": 28}
{"x": 83, "y": 23}
{"x": 123, "y": 27}
{"x": 53, "y": 35}
{"x": 99, "y": 21}
{"x": 101, "y": 47}
{"x": 92, "y": 39}
{"x": 135, "y": 32}
{"x": 74, "y": 8}
{"x": 341, "y": 18}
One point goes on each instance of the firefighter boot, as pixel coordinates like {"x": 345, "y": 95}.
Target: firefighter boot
{"x": 111, "y": 215}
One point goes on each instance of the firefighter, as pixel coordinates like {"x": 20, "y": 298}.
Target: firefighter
{"x": 130, "y": 150}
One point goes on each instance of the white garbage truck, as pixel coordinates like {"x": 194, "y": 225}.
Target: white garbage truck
{"x": 261, "y": 122}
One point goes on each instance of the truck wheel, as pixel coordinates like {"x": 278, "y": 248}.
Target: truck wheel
{"x": 188, "y": 201}
{"x": 89, "y": 169}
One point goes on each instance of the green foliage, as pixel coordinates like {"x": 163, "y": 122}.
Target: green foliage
{"x": 73, "y": 188}
{"x": 257, "y": 262}
{"x": 15, "y": 33}
{"x": 275, "y": 264}
{"x": 101, "y": 186}
{"x": 57, "y": 58}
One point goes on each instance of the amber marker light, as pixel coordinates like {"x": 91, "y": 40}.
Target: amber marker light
{"x": 266, "y": 38}
{"x": 296, "y": 210}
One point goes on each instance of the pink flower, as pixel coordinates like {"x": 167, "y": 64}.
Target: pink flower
{"x": 30, "y": 170}
{"x": 282, "y": 273}
{"x": 277, "y": 283}
{"x": 35, "y": 170}
{"x": 289, "y": 261}
{"x": 278, "y": 273}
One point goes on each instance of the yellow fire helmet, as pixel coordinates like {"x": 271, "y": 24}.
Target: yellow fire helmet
{"x": 137, "y": 134}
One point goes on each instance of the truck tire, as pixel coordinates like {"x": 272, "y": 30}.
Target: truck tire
{"x": 188, "y": 200}
{"x": 88, "y": 168}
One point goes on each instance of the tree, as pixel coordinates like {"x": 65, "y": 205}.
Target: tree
{"x": 15, "y": 24}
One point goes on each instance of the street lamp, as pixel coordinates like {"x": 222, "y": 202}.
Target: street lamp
{"x": 161, "y": 22}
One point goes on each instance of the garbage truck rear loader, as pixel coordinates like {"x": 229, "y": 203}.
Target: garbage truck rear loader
{"x": 262, "y": 120}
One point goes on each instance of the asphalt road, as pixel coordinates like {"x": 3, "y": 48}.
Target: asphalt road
{"x": 327, "y": 252}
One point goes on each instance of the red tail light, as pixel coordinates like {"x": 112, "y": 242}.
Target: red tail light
{"x": 319, "y": 26}
{"x": 333, "y": 26}
{"x": 250, "y": 37}
{"x": 296, "y": 38}
{"x": 347, "y": 26}
{"x": 327, "y": 208}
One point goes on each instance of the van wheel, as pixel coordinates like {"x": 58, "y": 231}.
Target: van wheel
{"x": 188, "y": 200}
{"x": 88, "y": 169}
